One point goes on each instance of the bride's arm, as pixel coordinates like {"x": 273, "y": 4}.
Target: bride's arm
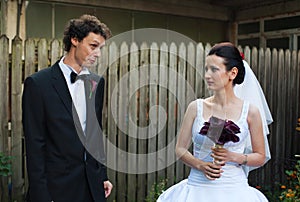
{"x": 257, "y": 157}
{"x": 184, "y": 142}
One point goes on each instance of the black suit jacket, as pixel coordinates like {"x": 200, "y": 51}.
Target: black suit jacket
{"x": 57, "y": 168}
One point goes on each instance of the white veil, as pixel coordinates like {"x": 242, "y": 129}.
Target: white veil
{"x": 251, "y": 91}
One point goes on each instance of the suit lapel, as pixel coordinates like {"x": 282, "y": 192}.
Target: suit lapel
{"x": 61, "y": 87}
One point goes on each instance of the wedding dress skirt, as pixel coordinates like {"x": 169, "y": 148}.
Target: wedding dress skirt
{"x": 232, "y": 186}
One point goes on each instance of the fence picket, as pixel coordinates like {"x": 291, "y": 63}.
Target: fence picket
{"x": 42, "y": 54}
{"x": 181, "y": 94}
{"x": 162, "y": 110}
{"x": 123, "y": 117}
{"x": 111, "y": 105}
{"x": 172, "y": 112}
{"x": 153, "y": 99}
{"x": 16, "y": 119}
{"x": 4, "y": 111}
{"x": 133, "y": 120}
{"x": 199, "y": 84}
{"x": 55, "y": 49}
{"x": 30, "y": 58}
{"x": 143, "y": 119}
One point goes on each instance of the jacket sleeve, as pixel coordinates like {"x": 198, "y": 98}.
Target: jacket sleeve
{"x": 99, "y": 108}
{"x": 33, "y": 119}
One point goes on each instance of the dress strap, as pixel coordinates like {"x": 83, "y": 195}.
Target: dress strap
{"x": 199, "y": 107}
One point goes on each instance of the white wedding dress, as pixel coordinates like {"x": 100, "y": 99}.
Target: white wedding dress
{"x": 232, "y": 186}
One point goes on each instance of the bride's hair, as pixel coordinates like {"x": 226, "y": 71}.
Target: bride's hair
{"x": 232, "y": 58}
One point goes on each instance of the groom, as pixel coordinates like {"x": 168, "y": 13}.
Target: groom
{"x": 60, "y": 166}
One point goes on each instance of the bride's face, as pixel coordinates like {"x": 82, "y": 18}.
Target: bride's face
{"x": 216, "y": 75}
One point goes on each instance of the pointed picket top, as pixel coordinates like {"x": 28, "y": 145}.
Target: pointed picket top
{"x": 268, "y": 53}
{"x": 42, "y": 54}
{"x": 173, "y": 49}
{"x": 261, "y": 58}
{"x": 154, "y": 46}
{"x": 4, "y": 51}
{"x": 113, "y": 54}
{"x": 3, "y": 38}
{"x": 247, "y": 54}
{"x": 207, "y": 49}
{"x": 164, "y": 47}
{"x": 163, "y": 64}
{"x": 134, "y": 56}
{"x": 254, "y": 61}
{"x": 103, "y": 62}
{"x": 144, "y": 46}
{"x": 191, "y": 55}
{"x": 182, "y": 51}
{"x": 154, "y": 53}
{"x": 274, "y": 53}
{"x": 164, "y": 57}
{"x": 29, "y": 57}
{"x": 200, "y": 61}
{"x": 124, "y": 50}
{"x": 55, "y": 48}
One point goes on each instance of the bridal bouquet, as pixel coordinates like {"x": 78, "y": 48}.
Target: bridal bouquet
{"x": 220, "y": 131}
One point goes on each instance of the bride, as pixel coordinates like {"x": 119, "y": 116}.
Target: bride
{"x": 219, "y": 173}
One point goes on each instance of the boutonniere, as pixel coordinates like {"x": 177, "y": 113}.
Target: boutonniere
{"x": 93, "y": 86}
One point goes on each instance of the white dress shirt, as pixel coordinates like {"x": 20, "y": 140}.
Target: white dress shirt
{"x": 76, "y": 90}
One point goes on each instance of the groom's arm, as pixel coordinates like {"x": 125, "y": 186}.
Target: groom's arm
{"x": 35, "y": 132}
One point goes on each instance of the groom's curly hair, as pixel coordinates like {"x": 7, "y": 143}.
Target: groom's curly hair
{"x": 81, "y": 27}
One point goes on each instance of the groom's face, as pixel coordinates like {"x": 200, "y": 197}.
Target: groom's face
{"x": 89, "y": 49}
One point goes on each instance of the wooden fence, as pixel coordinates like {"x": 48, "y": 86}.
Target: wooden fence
{"x": 148, "y": 87}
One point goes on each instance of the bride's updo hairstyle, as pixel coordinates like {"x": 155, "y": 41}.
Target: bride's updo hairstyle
{"x": 232, "y": 58}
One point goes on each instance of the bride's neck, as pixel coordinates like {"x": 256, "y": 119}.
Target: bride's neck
{"x": 223, "y": 99}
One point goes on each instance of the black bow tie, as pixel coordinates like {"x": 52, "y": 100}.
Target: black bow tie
{"x": 75, "y": 77}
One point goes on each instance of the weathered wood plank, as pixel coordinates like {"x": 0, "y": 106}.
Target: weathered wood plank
{"x": 143, "y": 121}
{"x": 55, "y": 48}
{"x": 123, "y": 123}
{"x": 172, "y": 113}
{"x": 4, "y": 110}
{"x": 153, "y": 99}
{"x": 42, "y": 54}
{"x": 181, "y": 95}
{"x": 16, "y": 119}
{"x": 112, "y": 105}
{"x": 199, "y": 84}
{"x": 30, "y": 58}
{"x": 133, "y": 121}
{"x": 207, "y": 93}
{"x": 162, "y": 111}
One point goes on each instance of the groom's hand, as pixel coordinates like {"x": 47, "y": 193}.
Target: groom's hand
{"x": 107, "y": 188}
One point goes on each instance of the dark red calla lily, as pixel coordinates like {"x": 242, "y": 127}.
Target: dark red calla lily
{"x": 227, "y": 134}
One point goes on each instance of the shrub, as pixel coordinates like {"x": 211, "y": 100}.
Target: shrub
{"x": 291, "y": 191}
{"x": 156, "y": 190}
{"x": 5, "y": 165}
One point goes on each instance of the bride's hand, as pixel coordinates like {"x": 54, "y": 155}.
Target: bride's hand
{"x": 220, "y": 155}
{"x": 212, "y": 171}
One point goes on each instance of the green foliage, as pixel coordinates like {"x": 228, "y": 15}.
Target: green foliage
{"x": 5, "y": 165}
{"x": 291, "y": 191}
{"x": 156, "y": 190}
